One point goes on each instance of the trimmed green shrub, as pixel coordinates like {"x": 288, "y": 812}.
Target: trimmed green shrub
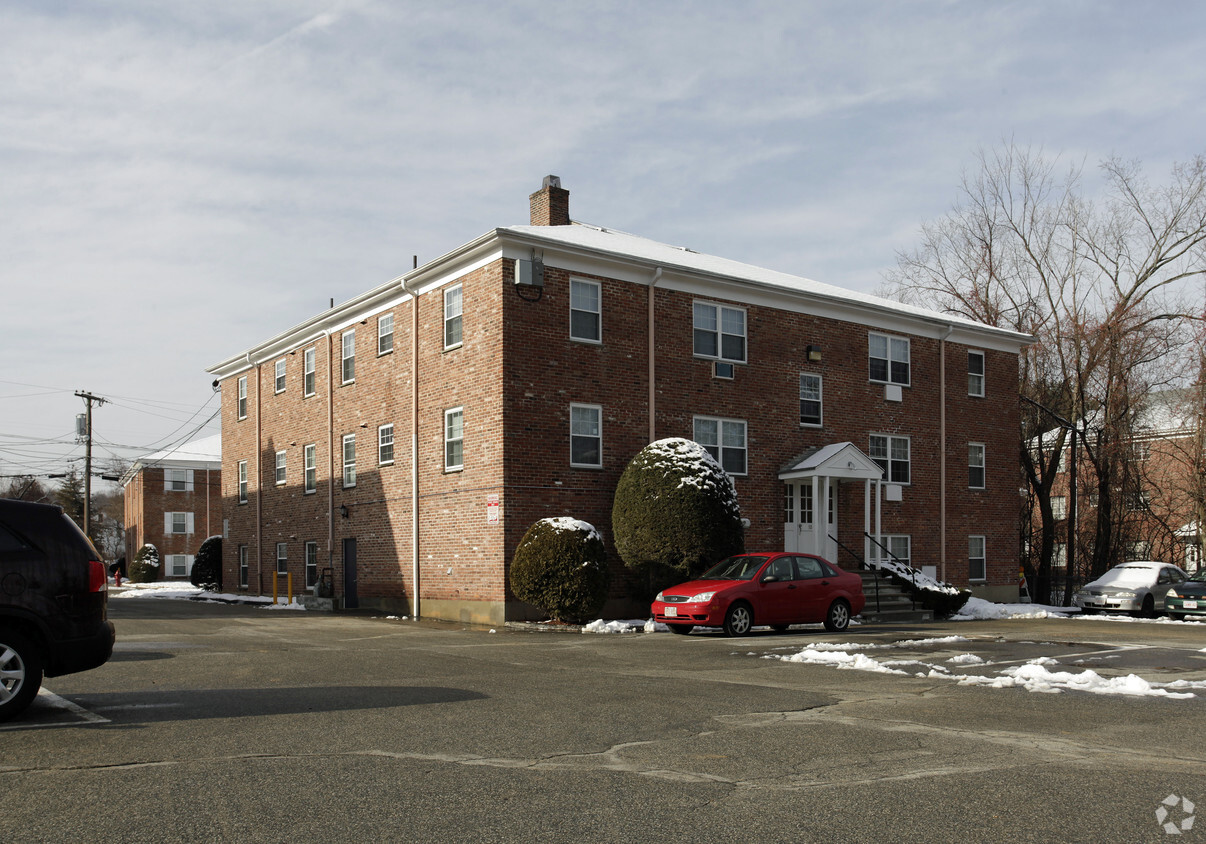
{"x": 561, "y": 567}
{"x": 207, "y": 567}
{"x": 675, "y": 513}
{"x": 145, "y": 566}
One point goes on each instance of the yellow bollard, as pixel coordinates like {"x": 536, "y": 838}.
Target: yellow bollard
{"x": 288, "y": 587}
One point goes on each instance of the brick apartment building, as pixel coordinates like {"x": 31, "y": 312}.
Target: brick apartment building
{"x": 1160, "y": 507}
{"x": 541, "y": 358}
{"x": 173, "y": 500}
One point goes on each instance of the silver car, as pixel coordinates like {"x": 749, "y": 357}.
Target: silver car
{"x": 1136, "y": 587}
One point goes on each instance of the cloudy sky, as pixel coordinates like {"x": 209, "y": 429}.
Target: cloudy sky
{"x": 180, "y": 180}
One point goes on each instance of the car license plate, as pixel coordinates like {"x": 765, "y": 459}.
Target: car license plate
{"x": 1189, "y": 605}
{"x": 671, "y": 612}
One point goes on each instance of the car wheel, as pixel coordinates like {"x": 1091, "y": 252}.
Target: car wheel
{"x": 1149, "y": 608}
{"x": 20, "y": 673}
{"x": 838, "y": 617}
{"x": 780, "y": 628}
{"x": 681, "y": 629}
{"x": 739, "y": 619}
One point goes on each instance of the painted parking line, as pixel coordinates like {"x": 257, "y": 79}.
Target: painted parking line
{"x": 50, "y": 704}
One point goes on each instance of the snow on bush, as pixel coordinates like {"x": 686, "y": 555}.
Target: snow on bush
{"x": 675, "y": 512}
{"x": 145, "y": 566}
{"x": 560, "y": 566}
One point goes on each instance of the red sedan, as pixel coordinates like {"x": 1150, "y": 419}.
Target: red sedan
{"x": 778, "y": 589}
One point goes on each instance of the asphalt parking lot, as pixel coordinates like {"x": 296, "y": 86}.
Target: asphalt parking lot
{"x": 223, "y": 723}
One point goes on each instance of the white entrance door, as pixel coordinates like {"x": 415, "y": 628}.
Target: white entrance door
{"x": 797, "y": 517}
{"x": 799, "y": 520}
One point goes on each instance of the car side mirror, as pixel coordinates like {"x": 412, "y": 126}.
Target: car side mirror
{"x": 770, "y": 578}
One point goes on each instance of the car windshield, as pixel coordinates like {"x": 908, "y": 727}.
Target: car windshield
{"x": 1199, "y": 576}
{"x": 1124, "y": 574}
{"x": 734, "y": 568}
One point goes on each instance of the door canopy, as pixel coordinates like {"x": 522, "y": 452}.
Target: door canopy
{"x": 840, "y": 461}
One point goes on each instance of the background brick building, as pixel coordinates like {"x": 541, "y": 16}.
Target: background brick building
{"x": 173, "y": 500}
{"x": 541, "y": 358}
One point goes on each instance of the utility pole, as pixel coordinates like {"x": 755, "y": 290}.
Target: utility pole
{"x": 88, "y": 399}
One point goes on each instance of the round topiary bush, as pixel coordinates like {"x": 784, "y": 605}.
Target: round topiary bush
{"x": 207, "y": 567}
{"x": 145, "y": 566}
{"x": 561, "y": 567}
{"x": 675, "y": 512}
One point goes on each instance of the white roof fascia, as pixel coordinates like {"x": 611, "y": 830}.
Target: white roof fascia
{"x": 682, "y": 270}
{"x": 430, "y": 276}
{"x": 861, "y": 309}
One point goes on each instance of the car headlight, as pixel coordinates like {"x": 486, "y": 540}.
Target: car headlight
{"x": 658, "y": 597}
{"x": 1124, "y": 593}
{"x": 703, "y": 596}
{"x": 1173, "y": 593}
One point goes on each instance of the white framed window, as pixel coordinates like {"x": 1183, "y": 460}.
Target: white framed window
{"x": 810, "y": 399}
{"x": 892, "y": 455}
{"x": 243, "y": 566}
{"x": 282, "y": 558}
{"x": 1059, "y": 507}
{"x": 348, "y": 356}
{"x": 586, "y": 435}
{"x": 977, "y": 562}
{"x": 975, "y": 465}
{"x": 385, "y": 444}
{"x": 586, "y": 311}
{"x": 179, "y": 565}
{"x": 179, "y": 523}
{"x": 308, "y": 372}
{"x": 279, "y": 382}
{"x": 452, "y": 317}
{"x": 311, "y": 564}
{"x": 804, "y": 515}
{"x": 724, "y": 439}
{"x": 242, "y": 481}
{"x": 311, "y": 465}
{"x": 718, "y": 332}
{"x": 385, "y": 334}
{"x": 349, "y": 460}
{"x": 975, "y": 374}
{"x": 454, "y": 439}
{"x": 898, "y": 545}
{"x": 242, "y": 401}
{"x": 889, "y": 359}
{"x": 280, "y": 467}
{"x": 178, "y": 480}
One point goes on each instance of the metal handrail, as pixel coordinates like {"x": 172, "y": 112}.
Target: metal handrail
{"x": 864, "y": 565}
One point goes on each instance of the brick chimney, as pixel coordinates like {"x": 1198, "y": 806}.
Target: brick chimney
{"x": 550, "y": 204}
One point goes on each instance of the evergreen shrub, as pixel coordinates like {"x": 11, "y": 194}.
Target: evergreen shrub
{"x": 675, "y": 513}
{"x": 145, "y": 566}
{"x": 207, "y": 567}
{"x": 560, "y": 566}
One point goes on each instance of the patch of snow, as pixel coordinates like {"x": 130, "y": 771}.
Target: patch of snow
{"x": 184, "y": 591}
{"x": 977, "y": 609}
{"x": 564, "y": 524}
{"x": 966, "y": 659}
{"x": 631, "y": 626}
{"x": 1033, "y": 676}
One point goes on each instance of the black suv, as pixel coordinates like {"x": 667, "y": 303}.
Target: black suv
{"x": 53, "y": 601}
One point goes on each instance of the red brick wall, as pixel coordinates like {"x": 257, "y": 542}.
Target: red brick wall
{"x": 516, "y": 375}
{"x": 146, "y": 501}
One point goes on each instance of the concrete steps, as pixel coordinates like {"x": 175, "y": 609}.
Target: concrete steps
{"x": 893, "y": 603}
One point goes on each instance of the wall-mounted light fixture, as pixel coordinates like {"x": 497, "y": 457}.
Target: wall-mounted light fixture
{"x": 343, "y": 510}
{"x": 814, "y": 354}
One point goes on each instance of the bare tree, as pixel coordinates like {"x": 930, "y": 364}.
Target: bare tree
{"x": 1101, "y": 285}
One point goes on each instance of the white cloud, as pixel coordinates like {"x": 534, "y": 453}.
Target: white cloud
{"x": 182, "y": 180}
